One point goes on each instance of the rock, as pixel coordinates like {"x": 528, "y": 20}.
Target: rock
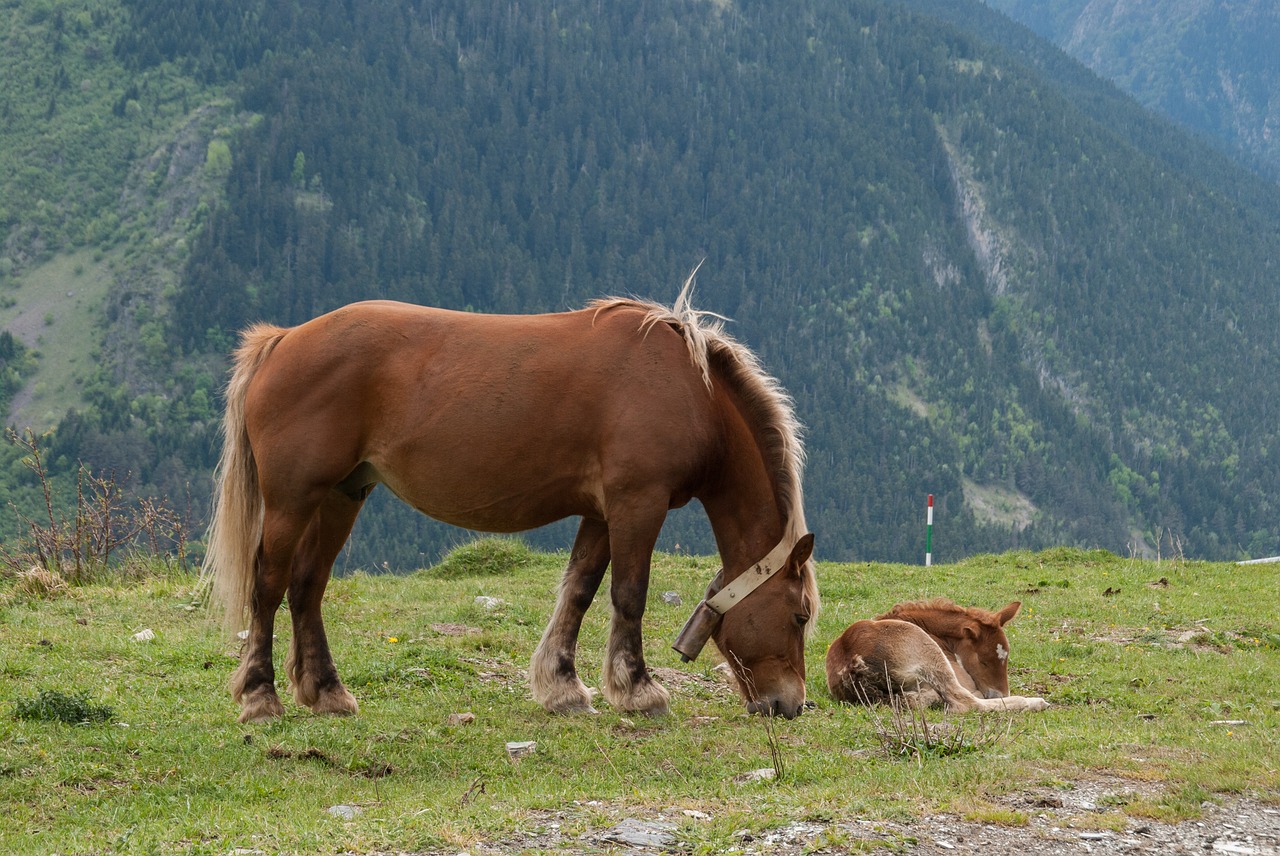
{"x": 345, "y": 812}
{"x": 642, "y": 833}
{"x": 672, "y": 597}
{"x": 489, "y": 603}
{"x": 144, "y": 635}
{"x": 464, "y": 718}
{"x": 517, "y": 749}
{"x": 764, "y": 774}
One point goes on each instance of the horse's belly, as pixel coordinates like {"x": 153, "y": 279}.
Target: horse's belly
{"x": 490, "y": 494}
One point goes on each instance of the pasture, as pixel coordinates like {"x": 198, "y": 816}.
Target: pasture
{"x": 1164, "y": 680}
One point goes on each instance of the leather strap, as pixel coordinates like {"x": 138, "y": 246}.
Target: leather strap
{"x": 751, "y": 579}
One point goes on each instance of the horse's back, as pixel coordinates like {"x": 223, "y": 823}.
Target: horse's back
{"x": 494, "y": 422}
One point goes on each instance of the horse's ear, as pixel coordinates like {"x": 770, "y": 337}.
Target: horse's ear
{"x": 1006, "y": 615}
{"x": 801, "y": 552}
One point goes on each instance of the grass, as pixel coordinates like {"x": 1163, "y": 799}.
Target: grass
{"x": 171, "y": 770}
{"x": 55, "y": 309}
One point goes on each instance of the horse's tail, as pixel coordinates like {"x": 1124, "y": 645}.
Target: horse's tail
{"x": 236, "y": 528}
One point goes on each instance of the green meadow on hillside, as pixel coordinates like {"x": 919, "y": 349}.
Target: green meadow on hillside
{"x": 1161, "y": 677}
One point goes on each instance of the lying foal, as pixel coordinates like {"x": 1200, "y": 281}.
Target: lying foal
{"x": 929, "y": 653}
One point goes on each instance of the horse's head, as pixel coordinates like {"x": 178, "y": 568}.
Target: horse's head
{"x": 983, "y": 650}
{"x": 763, "y": 636}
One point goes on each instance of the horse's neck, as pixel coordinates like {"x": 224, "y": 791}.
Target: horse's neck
{"x": 948, "y": 645}
{"x": 744, "y": 517}
{"x": 743, "y": 496}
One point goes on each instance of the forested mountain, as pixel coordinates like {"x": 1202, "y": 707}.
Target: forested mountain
{"x": 1020, "y": 295}
{"x": 1212, "y": 67}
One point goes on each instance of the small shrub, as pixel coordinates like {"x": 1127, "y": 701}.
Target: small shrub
{"x": 485, "y": 557}
{"x": 57, "y": 706}
{"x": 907, "y": 732}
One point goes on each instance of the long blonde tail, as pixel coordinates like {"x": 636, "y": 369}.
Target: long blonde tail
{"x": 236, "y": 528}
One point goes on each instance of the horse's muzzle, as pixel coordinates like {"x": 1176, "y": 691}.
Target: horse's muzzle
{"x": 775, "y": 707}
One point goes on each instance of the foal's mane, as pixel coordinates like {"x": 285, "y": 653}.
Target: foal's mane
{"x": 768, "y": 406}
{"x": 942, "y": 616}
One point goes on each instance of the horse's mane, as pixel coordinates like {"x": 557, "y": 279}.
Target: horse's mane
{"x": 940, "y": 612}
{"x": 768, "y": 405}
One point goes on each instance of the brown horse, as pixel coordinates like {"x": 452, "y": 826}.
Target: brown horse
{"x": 615, "y": 413}
{"x": 928, "y": 653}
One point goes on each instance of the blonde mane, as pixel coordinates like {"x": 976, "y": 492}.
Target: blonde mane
{"x": 768, "y": 405}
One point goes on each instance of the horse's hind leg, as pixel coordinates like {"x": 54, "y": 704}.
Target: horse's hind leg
{"x": 253, "y": 683}
{"x": 553, "y": 674}
{"x": 310, "y": 664}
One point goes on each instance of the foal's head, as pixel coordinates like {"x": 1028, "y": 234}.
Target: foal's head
{"x": 975, "y": 636}
{"x": 763, "y": 637}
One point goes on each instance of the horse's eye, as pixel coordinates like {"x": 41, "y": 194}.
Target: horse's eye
{"x": 801, "y": 619}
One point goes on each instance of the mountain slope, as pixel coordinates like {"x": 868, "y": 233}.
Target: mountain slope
{"x": 1212, "y": 67}
{"x": 1025, "y": 299}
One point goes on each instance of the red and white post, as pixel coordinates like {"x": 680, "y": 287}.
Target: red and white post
{"x": 928, "y": 537}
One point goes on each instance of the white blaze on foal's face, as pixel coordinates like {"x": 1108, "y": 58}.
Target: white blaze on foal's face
{"x": 1002, "y": 652}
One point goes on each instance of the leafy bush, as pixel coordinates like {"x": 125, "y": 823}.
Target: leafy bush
{"x": 57, "y": 706}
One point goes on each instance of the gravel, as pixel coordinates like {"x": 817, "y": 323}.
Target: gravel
{"x": 1086, "y": 818}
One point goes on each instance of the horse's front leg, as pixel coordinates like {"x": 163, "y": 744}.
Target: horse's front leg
{"x": 553, "y": 673}
{"x": 627, "y": 683}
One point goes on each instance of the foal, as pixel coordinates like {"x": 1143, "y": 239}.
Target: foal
{"x": 933, "y": 652}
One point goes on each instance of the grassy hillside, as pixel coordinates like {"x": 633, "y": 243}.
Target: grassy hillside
{"x": 1159, "y": 675}
{"x": 56, "y": 311}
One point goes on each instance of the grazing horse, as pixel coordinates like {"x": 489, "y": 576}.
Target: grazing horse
{"x": 615, "y": 413}
{"x": 931, "y": 652}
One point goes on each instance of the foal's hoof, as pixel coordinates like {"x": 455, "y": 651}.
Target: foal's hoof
{"x": 261, "y": 707}
{"x": 1037, "y": 704}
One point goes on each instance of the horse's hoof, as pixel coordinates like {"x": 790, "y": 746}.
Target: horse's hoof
{"x": 574, "y": 710}
{"x": 566, "y": 697}
{"x": 336, "y": 701}
{"x": 650, "y": 700}
{"x": 1037, "y": 704}
{"x": 261, "y": 707}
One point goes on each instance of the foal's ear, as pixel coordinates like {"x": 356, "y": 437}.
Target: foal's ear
{"x": 1006, "y": 615}
{"x": 801, "y": 552}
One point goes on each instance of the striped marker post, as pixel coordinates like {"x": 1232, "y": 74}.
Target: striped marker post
{"x": 928, "y": 538}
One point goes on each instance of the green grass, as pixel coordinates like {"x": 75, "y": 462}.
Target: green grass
{"x": 55, "y": 309}
{"x": 172, "y": 771}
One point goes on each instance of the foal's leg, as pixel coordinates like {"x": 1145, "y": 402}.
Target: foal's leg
{"x": 1014, "y": 702}
{"x": 627, "y": 684}
{"x": 253, "y": 683}
{"x": 960, "y": 700}
{"x": 309, "y": 664}
{"x": 553, "y": 675}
